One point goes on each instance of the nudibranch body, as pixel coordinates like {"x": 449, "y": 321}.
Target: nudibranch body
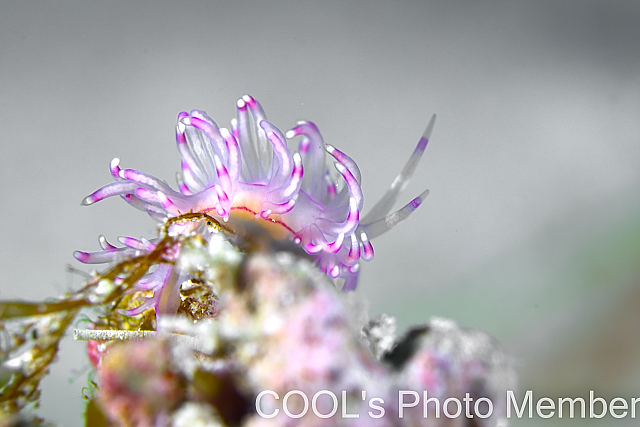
{"x": 250, "y": 173}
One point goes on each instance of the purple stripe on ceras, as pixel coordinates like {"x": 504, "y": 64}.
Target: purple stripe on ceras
{"x": 186, "y": 170}
{"x": 114, "y": 168}
{"x": 334, "y": 272}
{"x": 276, "y": 208}
{"x": 223, "y": 175}
{"x": 141, "y": 178}
{"x": 147, "y": 195}
{"x": 83, "y": 257}
{"x": 234, "y": 129}
{"x": 354, "y": 250}
{"x": 113, "y": 189}
{"x": 335, "y": 246}
{"x": 353, "y": 218}
{"x": 129, "y": 197}
{"x": 345, "y": 160}
{"x": 279, "y": 148}
{"x": 99, "y": 257}
{"x": 346, "y": 227}
{"x": 250, "y": 101}
{"x": 312, "y": 152}
{"x": 222, "y": 172}
{"x": 132, "y": 243}
{"x": 331, "y": 189}
{"x": 222, "y": 200}
{"x": 166, "y": 203}
{"x": 241, "y": 105}
{"x": 308, "y": 129}
{"x": 293, "y": 187}
{"x": 183, "y": 148}
{"x": 234, "y": 155}
{"x": 422, "y": 144}
{"x": 354, "y": 187}
{"x": 211, "y": 130}
{"x": 181, "y": 138}
{"x": 303, "y": 147}
{"x": 298, "y": 169}
{"x": 415, "y": 204}
{"x": 243, "y": 130}
{"x": 183, "y": 188}
{"x": 104, "y": 244}
{"x": 312, "y": 249}
{"x": 156, "y": 279}
{"x": 367, "y": 247}
{"x": 148, "y": 244}
{"x": 146, "y": 305}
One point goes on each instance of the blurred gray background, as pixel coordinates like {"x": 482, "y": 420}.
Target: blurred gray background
{"x": 532, "y": 228}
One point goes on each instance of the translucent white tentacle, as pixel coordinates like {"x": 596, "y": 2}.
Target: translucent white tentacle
{"x": 385, "y": 224}
{"x": 384, "y": 205}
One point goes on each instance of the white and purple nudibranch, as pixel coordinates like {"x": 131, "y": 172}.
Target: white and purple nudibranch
{"x": 250, "y": 173}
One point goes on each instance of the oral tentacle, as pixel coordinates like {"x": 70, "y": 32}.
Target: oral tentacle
{"x": 385, "y": 224}
{"x": 384, "y": 205}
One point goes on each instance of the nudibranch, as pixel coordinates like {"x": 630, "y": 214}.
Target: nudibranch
{"x": 250, "y": 173}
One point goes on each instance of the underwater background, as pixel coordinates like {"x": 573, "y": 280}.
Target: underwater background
{"x": 531, "y": 232}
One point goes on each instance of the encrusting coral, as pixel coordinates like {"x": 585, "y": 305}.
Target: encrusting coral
{"x": 282, "y": 326}
{"x": 251, "y": 332}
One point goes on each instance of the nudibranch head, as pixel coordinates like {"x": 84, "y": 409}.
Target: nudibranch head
{"x": 249, "y": 172}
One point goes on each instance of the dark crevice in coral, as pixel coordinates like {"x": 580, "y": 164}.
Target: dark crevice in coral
{"x": 220, "y": 390}
{"x": 405, "y": 348}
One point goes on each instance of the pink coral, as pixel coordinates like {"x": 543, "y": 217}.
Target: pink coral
{"x": 139, "y": 384}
